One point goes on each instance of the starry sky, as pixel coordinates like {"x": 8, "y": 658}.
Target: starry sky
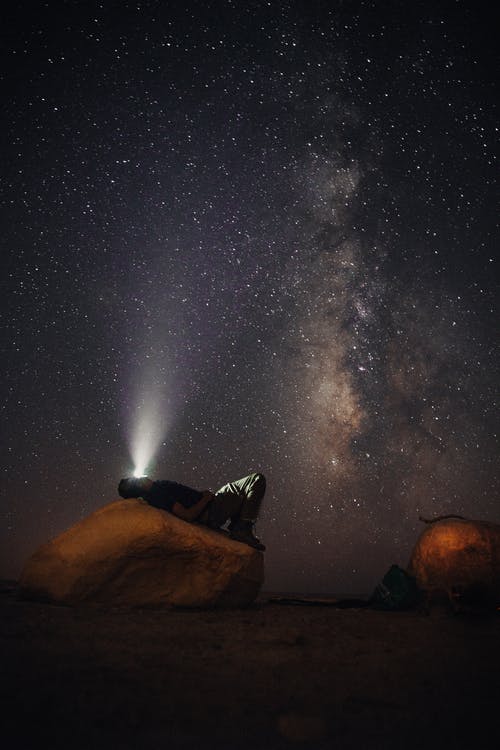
{"x": 251, "y": 236}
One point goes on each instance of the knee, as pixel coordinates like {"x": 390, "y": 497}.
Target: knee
{"x": 260, "y": 479}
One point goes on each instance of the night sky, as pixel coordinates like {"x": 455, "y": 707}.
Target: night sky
{"x": 251, "y": 236}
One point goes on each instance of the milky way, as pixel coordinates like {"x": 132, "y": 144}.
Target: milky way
{"x": 264, "y": 234}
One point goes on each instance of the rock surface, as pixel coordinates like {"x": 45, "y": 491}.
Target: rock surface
{"x": 129, "y": 553}
{"x": 459, "y": 557}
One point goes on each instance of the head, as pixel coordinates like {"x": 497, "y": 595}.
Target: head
{"x": 134, "y": 486}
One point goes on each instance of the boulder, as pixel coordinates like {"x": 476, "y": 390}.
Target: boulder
{"x": 129, "y": 553}
{"x": 461, "y": 558}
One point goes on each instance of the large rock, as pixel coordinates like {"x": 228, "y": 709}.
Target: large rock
{"x": 129, "y": 553}
{"x": 461, "y": 558}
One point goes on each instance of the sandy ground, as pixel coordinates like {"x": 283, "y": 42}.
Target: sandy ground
{"x": 271, "y": 676}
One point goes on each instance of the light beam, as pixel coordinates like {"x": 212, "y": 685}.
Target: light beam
{"x": 149, "y": 423}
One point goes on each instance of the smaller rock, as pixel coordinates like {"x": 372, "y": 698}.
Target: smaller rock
{"x": 460, "y": 558}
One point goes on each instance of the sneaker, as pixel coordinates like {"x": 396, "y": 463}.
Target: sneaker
{"x": 243, "y": 532}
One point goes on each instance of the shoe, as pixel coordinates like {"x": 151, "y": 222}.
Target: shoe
{"x": 243, "y": 532}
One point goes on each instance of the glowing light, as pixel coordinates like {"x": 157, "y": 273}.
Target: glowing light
{"x": 148, "y": 424}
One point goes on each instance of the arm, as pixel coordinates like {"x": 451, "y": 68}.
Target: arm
{"x": 191, "y": 514}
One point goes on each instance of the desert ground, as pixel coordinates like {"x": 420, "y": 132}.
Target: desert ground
{"x": 274, "y": 675}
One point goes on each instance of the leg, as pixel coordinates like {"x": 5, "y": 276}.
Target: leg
{"x": 239, "y": 501}
{"x": 250, "y": 491}
{"x": 224, "y": 505}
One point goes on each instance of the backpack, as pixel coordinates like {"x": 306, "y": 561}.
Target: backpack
{"x": 398, "y": 590}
